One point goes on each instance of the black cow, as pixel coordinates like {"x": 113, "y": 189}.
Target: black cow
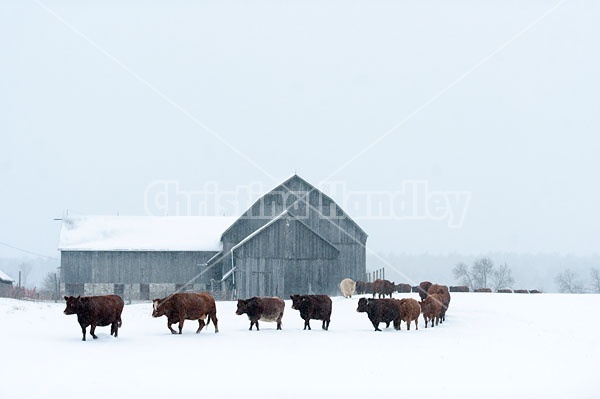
{"x": 381, "y": 311}
{"x": 316, "y": 307}
{"x": 261, "y": 308}
{"x": 96, "y": 311}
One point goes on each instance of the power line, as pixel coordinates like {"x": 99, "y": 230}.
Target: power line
{"x": 27, "y": 251}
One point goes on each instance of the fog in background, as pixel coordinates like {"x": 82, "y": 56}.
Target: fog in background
{"x": 499, "y": 99}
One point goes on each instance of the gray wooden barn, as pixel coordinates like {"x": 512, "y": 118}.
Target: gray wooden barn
{"x": 294, "y": 239}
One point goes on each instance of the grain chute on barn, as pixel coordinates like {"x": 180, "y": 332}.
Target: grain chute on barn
{"x": 294, "y": 239}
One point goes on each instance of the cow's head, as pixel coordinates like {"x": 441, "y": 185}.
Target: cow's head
{"x": 296, "y": 301}
{"x": 242, "y": 306}
{"x": 157, "y": 309}
{"x": 72, "y": 304}
{"x": 363, "y": 305}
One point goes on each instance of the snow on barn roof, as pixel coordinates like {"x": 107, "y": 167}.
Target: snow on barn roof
{"x": 142, "y": 233}
{"x": 5, "y": 277}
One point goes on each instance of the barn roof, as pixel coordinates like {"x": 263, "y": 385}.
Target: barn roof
{"x": 142, "y": 233}
{"x": 5, "y": 278}
{"x": 275, "y": 219}
{"x": 285, "y": 186}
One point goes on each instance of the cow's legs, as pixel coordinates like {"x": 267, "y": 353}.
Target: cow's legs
{"x": 114, "y": 329}
{"x": 279, "y": 321}
{"x": 307, "y": 324}
{"x": 326, "y": 325}
{"x": 417, "y": 323}
{"x": 83, "y": 331}
{"x": 215, "y": 321}
{"x": 181, "y": 326}
{"x": 92, "y": 330}
{"x": 170, "y": 328}
{"x": 376, "y": 325}
{"x": 201, "y": 325}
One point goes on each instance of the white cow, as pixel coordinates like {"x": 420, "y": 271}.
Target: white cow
{"x": 348, "y": 287}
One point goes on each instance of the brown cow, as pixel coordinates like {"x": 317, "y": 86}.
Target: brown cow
{"x": 403, "y": 288}
{"x": 383, "y": 288}
{"x": 409, "y": 311}
{"x": 423, "y": 288}
{"x": 431, "y": 307}
{"x": 488, "y": 290}
{"x": 316, "y": 307}
{"x": 187, "y": 305}
{"x": 261, "y": 308}
{"x": 96, "y": 311}
{"x": 442, "y": 290}
{"x": 381, "y": 311}
{"x": 504, "y": 291}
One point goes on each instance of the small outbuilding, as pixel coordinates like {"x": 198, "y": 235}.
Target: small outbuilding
{"x": 6, "y": 284}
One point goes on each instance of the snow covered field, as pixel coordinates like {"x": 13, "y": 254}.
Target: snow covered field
{"x": 491, "y": 345}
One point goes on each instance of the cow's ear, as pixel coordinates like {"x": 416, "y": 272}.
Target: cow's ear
{"x": 66, "y": 298}
{"x": 291, "y": 297}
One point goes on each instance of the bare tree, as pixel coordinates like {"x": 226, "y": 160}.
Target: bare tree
{"x": 463, "y": 274}
{"x": 503, "y": 277}
{"x": 567, "y": 282}
{"x": 481, "y": 271}
{"x": 49, "y": 285}
{"x": 595, "y": 280}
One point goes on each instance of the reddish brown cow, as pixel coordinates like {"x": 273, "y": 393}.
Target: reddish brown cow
{"x": 96, "y": 311}
{"x": 261, "y": 308}
{"x": 409, "y": 311}
{"x": 431, "y": 307}
{"x": 441, "y": 290}
{"x": 187, "y": 306}
{"x": 316, "y": 307}
{"x": 381, "y": 311}
{"x": 383, "y": 288}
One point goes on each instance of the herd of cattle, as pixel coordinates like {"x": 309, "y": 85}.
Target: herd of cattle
{"x": 106, "y": 310}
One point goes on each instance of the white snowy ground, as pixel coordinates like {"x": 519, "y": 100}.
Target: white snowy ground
{"x": 491, "y": 345}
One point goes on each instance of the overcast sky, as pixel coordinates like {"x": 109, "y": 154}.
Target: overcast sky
{"x": 496, "y": 101}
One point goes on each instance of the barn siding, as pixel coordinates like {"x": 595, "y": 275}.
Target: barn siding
{"x": 130, "y": 267}
{"x": 286, "y": 258}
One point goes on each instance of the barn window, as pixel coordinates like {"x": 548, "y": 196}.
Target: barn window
{"x": 119, "y": 290}
{"x": 144, "y": 292}
{"x": 74, "y": 289}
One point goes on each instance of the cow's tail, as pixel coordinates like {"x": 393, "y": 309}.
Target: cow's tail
{"x": 120, "y": 322}
{"x": 208, "y": 320}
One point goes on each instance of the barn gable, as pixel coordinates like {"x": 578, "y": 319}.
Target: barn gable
{"x": 319, "y": 224}
{"x": 293, "y": 195}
